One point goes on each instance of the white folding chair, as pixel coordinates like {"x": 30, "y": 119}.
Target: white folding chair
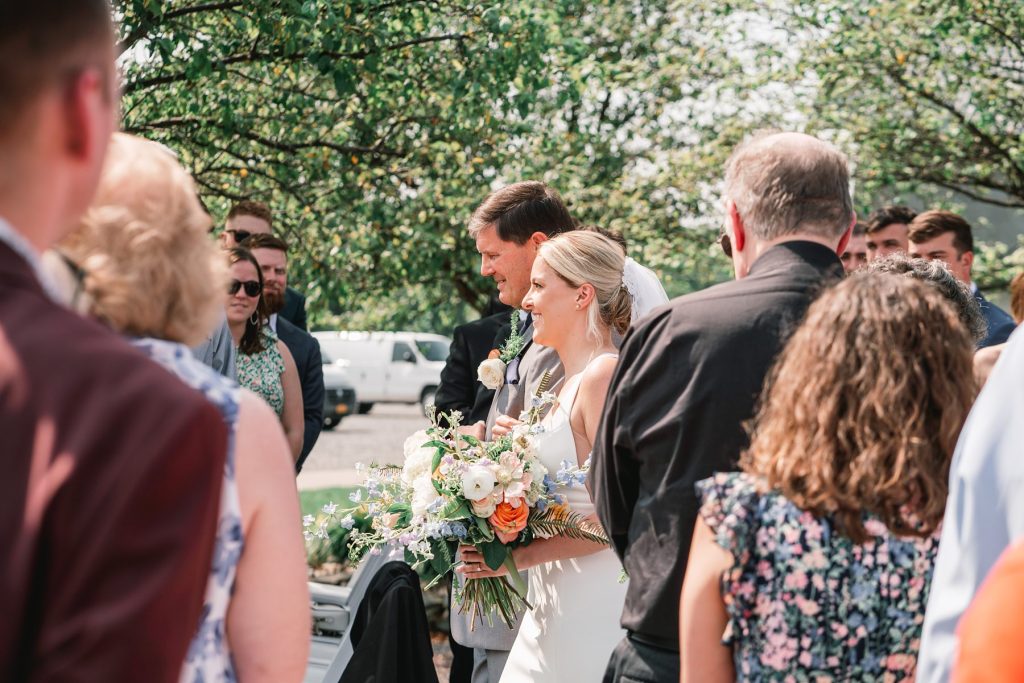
{"x": 333, "y": 609}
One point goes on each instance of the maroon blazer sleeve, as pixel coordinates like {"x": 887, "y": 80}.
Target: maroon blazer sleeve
{"x": 127, "y": 598}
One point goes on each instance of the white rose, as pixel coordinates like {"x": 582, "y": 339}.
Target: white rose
{"x": 477, "y": 482}
{"x": 423, "y": 496}
{"x": 491, "y": 373}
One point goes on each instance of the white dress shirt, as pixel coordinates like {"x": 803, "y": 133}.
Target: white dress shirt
{"x": 21, "y": 246}
{"x": 984, "y": 511}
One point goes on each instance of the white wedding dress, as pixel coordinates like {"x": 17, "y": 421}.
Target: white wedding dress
{"x": 573, "y": 627}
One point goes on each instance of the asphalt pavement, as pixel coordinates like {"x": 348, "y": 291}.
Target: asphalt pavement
{"x": 374, "y": 438}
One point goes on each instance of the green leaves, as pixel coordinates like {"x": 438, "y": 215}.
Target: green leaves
{"x": 494, "y": 553}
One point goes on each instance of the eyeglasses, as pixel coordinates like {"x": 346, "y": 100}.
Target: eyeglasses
{"x": 239, "y": 235}
{"x": 252, "y": 287}
{"x": 725, "y": 243}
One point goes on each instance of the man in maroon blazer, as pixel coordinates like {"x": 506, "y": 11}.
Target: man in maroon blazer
{"x": 111, "y": 467}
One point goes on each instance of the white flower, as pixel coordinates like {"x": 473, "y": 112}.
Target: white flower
{"x": 423, "y": 496}
{"x": 418, "y": 460}
{"x": 478, "y": 482}
{"x": 329, "y": 508}
{"x": 415, "y": 442}
{"x": 491, "y": 373}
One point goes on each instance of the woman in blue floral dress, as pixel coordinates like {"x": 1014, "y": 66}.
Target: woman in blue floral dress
{"x": 814, "y": 563}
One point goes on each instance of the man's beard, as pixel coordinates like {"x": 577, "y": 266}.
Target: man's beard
{"x": 274, "y": 301}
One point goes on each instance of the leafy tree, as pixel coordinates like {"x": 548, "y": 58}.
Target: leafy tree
{"x": 925, "y": 95}
{"x": 374, "y": 127}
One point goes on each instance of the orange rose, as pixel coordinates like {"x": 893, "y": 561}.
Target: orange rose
{"x": 495, "y": 353}
{"x": 508, "y": 521}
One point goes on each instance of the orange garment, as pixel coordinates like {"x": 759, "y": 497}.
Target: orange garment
{"x": 992, "y": 629}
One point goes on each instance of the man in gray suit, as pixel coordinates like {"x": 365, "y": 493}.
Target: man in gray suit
{"x": 508, "y": 227}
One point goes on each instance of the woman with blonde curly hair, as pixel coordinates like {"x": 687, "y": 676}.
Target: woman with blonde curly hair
{"x": 151, "y": 272}
{"x": 815, "y": 561}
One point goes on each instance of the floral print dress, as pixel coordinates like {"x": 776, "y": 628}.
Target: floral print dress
{"x": 261, "y": 372}
{"x": 806, "y": 603}
{"x": 209, "y": 655}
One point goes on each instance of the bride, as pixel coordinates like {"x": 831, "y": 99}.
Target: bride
{"x": 577, "y": 298}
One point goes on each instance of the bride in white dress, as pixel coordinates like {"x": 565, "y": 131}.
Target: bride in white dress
{"x": 577, "y": 298}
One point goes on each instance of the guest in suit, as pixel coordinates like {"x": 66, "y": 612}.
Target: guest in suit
{"x": 248, "y": 218}
{"x": 945, "y": 236}
{"x": 112, "y": 466}
{"x": 471, "y": 344}
{"x": 689, "y": 375}
{"x": 272, "y": 254}
{"x": 508, "y": 227}
{"x": 151, "y": 272}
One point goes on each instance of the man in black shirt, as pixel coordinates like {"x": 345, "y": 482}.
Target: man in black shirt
{"x": 690, "y": 373}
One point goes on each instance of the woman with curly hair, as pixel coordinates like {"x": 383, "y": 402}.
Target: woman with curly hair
{"x": 814, "y": 562}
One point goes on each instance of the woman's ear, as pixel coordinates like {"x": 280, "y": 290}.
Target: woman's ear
{"x": 585, "y": 294}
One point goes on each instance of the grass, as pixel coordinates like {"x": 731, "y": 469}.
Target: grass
{"x": 313, "y": 501}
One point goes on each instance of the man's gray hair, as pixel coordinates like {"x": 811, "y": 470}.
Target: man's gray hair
{"x": 937, "y": 274}
{"x": 789, "y": 184}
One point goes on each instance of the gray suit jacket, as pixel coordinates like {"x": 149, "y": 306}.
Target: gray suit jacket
{"x": 509, "y": 399}
{"x": 218, "y": 351}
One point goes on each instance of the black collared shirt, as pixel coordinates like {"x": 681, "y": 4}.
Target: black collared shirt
{"x": 688, "y": 377}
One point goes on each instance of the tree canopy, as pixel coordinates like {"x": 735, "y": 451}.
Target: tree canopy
{"x": 373, "y": 128}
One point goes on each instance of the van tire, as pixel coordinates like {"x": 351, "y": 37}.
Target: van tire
{"x": 365, "y": 408}
{"x": 427, "y": 399}
{"x": 331, "y": 422}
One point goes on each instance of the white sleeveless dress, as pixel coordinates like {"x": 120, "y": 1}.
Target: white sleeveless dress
{"x": 574, "y": 624}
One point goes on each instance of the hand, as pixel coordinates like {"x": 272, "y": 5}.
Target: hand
{"x": 478, "y": 430}
{"x": 503, "y": 425}
{"x": 473, "y": 565}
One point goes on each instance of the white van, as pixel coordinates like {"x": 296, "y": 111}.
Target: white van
{"x": 388, "y": 367}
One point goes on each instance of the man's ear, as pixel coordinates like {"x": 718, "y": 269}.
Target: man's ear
{"x": 967, "y": 258}
{"x": 85, "y": 102}
{"x": 739, "y": 232}
{"x": 844, "y": 241}
{"x": 538, "y": 238}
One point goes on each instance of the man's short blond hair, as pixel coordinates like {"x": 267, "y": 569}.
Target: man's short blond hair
{"x": 150, "y": 268}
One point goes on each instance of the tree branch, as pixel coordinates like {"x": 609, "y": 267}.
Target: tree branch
{"x": 253, "y": 57}
{"x": 140, "y": 31}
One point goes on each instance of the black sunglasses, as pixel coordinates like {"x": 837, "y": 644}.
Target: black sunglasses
{"x": 252, "y": 287}
{"x": 725, "y": 243}
{"x": 239, "y": 235}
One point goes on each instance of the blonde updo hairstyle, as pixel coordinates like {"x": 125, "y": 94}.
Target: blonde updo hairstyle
{"x": 581, "y": 257}
{"x": 150, "y": 268}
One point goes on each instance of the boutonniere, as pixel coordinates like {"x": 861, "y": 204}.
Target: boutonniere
{"x": 491, "y": 372}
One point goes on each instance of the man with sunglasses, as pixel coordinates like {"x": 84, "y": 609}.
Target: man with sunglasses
{"x": 689, "y": 375}
{"x": 112, "y": 466}
{"x": 248, "y": 218}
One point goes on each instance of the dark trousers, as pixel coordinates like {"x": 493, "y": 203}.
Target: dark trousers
{"x": 636, "y": 662}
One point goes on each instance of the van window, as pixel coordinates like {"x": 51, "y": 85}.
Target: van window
{"x": 433, "y": 350}
{"x": 402, "y": 352}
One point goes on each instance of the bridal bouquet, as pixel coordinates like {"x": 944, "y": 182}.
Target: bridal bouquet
{"x": 454, "y": 489}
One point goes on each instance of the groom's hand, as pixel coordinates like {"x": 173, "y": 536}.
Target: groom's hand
{"x": 478, "y": 430}
{"x": 503, "y": 425}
